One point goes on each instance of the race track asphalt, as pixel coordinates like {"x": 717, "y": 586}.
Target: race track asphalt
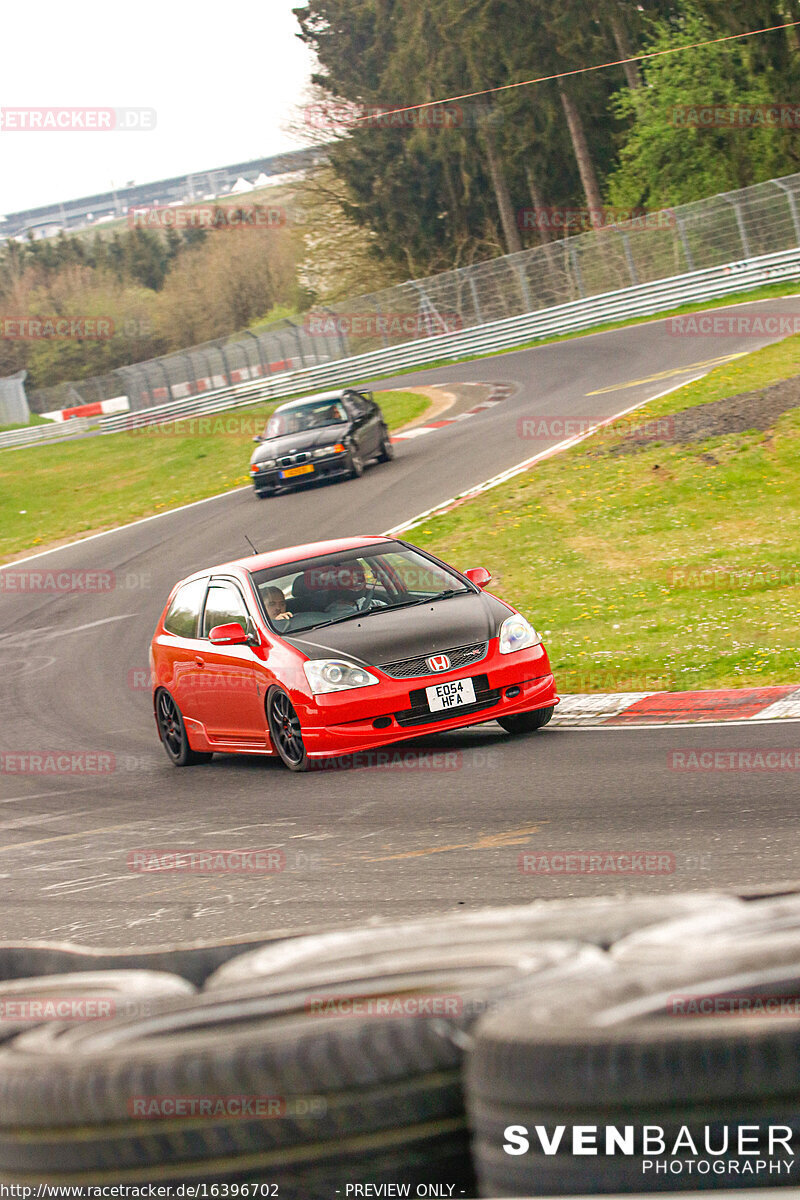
{"x": 436, "y": 834}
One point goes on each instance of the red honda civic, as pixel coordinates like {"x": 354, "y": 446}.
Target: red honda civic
{"x": 337, "y": 647}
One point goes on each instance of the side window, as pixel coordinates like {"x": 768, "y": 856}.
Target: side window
{"x": 224, "y": 606}
{"x": 185, "y": 609}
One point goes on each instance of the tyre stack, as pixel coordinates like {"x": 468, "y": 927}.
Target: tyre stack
{"x": 357, "y": 1070}
{"x": 401, "y": 1054}
{"x": 693, "y": 1034}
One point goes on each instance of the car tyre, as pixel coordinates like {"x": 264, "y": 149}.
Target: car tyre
{"x": 356, "y": 464}
{"x": 172, "y": 732}
{"x": 526, "y": 722}
{"x": 386, "y": 452}
{"x": 264, "y": 493}
{"x": 285, "y": 731}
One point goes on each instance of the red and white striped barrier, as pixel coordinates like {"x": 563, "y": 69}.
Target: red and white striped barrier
{"x": 100, "y": 409}
{"x": 680, "y": 708}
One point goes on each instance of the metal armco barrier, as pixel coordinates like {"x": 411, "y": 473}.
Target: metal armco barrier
{"x": 646, "y": 299}
{"x": 39, "y": 434}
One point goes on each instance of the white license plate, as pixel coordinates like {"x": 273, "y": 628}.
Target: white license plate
{"x": 445, "y": 696}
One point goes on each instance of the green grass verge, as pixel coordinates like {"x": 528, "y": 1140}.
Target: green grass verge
{"x": 35, "y": 420}
{"x": 657, "y": 569}
{"x": 71, "y": 488}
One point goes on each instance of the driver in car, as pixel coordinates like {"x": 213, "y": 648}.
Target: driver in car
{"x": 351, "y": 589}
{"x": 275, "y": 604}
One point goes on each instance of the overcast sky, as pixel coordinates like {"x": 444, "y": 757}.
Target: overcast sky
{"x": 224, "y": 78}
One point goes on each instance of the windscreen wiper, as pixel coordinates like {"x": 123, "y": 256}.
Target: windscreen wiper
{"x": 432, "y": 599}
{"x": 394, "y": 607}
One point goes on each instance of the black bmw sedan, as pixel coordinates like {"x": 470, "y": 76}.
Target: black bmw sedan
{"x": 330, "y": 436}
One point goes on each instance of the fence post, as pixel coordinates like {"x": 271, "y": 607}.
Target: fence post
{"x": 523, "y": 283}
{"x": 341, "y": 337}
{"x": 476, "y": 302}
{"x": 225, "y": 363}
{"x": 728, "y": 198}
{"x": 426, "y": 304}
{"x": 298, "y": 339}
{"x": 792, "y": 207}
{"x": 260, "y": 356}
{"x": 685, "y": 242}
{"x": 626, "y": 245}
{"x": 573, "y": 257}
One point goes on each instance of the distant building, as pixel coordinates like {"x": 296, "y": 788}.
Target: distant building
{"x": 71, "y": 215}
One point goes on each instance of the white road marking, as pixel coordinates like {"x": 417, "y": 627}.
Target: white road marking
{"x": 48, "y": 632}
{"x": 42, "y": 819}
{"x": 65, "y": 837}
{"x": 42, "y": 795}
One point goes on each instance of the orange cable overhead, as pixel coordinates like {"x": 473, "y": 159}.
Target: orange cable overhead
{"x": 505, "y": 87}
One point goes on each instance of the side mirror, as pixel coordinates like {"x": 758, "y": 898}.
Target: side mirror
{"x": 229, "y": 635}
{"x": 258, "y": 438}
{"x": 479, "y": 576}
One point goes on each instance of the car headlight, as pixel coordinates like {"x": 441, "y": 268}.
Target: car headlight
{"x": 265, "y": 465}
{"x": 322, "y": 451}
{"x": 336, "y": 675}
{"x": 517, "y": 634}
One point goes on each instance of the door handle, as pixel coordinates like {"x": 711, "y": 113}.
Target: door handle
{"x": 201, "y": 662}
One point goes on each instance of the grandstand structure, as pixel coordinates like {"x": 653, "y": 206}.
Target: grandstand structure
{"x": 88, "y": 211}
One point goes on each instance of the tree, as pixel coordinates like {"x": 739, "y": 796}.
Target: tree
{"x": 668, "y": 157}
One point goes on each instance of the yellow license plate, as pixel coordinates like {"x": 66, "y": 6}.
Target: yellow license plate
{"x": 305, "y": 470}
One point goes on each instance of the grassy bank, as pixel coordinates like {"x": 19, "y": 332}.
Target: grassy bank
{"x": 65, "y": 490}
{"x": 669, "y": 566}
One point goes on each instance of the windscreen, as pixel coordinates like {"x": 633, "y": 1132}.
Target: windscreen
{"x": 314, "y": 415}
{"x": 311, "y": 593}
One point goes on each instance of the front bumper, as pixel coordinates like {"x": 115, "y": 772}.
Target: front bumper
{"x": 326, "y": 468}
{"x": 396, "y": 709}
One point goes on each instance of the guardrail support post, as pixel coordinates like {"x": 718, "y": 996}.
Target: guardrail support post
{"x": 475, "y": 301}
{"x": 344, "y": 345}
{"x": 384, "y": 338}
{"x": 626, "y": 245}
{"x": 573, "y": 258}
{"x": 685, "y": 242}
{"x": 519, "y": 271}
{"x": 792, "y": 207}
{"x": 726, "y": 196}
